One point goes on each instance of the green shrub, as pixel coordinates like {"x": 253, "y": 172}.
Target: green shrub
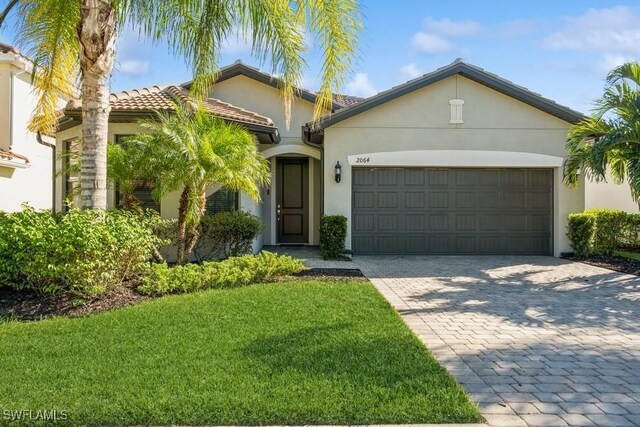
{"x": 333, "y": 233}
{"x": 83, "y": 252}
{"x": 581, "y": 232}
{"x": 227, "y": 234}
{"x": 630, "y": 238}
{"x": 608, "y": 230}
{"x": 160, "y": 279}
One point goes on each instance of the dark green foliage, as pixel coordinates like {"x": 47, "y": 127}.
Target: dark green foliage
{"x": 333, "y": 233}
{"x": 160, "y": 279}
{"x": 581, "y": 232}
{"x": 84, "y": 252}
{"x": 602, "y": 231}
{"x": 227, "y": 234}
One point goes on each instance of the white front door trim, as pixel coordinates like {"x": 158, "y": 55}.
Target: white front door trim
{"x": 455, "y": 158}
{"x": 292, "y": 149}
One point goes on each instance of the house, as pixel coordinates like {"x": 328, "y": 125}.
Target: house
{"x": 26, "y": 159}
{"x": 458, "y": 161}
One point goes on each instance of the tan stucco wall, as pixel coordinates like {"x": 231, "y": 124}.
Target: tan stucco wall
{"x": 607, "y": 195}
{"x": 420, "y": 121}
{"x": 32, "y": 185}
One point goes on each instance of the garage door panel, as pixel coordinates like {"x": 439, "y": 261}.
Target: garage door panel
{"x": 449, "y": 211}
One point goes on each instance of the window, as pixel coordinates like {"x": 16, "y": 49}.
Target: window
{"x": 223, "y": 200}
{"x": 142, "y": 190}
{"x": 71, "y": 172}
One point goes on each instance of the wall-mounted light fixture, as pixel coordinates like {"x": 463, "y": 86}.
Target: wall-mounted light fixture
{"x": 338, "y": 172}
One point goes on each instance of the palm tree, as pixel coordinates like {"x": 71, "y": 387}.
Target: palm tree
{"x": 609, "y": 140}
{"x": 127, "y": 167}
{"x": 189, "y": 150}
{"x": 71, "y": 41}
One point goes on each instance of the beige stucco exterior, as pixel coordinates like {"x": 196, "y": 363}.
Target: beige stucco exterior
{"x": 419, "y": 122}
{"x": 30, "y": 183}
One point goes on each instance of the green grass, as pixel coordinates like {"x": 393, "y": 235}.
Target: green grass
{"x": 630, "y": 255}
{"x": 284, "y": 353}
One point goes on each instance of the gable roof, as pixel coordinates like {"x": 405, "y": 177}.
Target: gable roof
{"x": 469, "y": 71}
{"x": 239, "y": 68}
{"x": 141, "y": 102}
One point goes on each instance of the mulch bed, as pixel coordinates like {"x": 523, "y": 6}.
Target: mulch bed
{"x": 331, "y": 272}
{"x": 29, "y": 305}
{"x": 619, "y": 264}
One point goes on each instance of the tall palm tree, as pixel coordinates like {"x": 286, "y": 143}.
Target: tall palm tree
{"x": 609, "y": 140}
{"x": 189, "y": 150}
{"x": 71, "y": 41}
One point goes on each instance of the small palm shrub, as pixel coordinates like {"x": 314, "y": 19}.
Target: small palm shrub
{"x": 160, "y": 279}
{"x": 227, "y": 234}
{"x": 83, "y": 252}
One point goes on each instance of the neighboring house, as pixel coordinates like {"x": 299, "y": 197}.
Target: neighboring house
{"x": 26, "y": 160}
{"x": 458, "y": 161}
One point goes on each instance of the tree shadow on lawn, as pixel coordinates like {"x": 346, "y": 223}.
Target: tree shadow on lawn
{"x": 375, "y": 377}
{"x": 531, "y": 291}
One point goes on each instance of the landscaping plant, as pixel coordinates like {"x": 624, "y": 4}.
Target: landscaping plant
{"x": 160, "y": 279}
{"x": 189, "y": 150}
{"x": 602, "y": 231}
{"x": 83, "y": 252}
{"x": 227, "y": 234}
{"x": 75, "y": 42}
{"x": 608, "y": 142}
{"x": 333, "y": 233}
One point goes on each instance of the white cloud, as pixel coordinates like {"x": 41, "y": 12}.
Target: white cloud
{"x": 134, "y": 67}
{"x": 435, "y": 38}
{"x": 612, "y": 33}
{"x": 361, "y": 86}
{"x": 448, "y": 28}
{"x": 430, "y": 43}
{"x": 611, "y": 61}
{"x": 410, "y": 71}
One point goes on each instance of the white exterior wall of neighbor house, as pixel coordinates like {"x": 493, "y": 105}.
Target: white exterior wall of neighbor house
{"x": 419, "y": 122}
{"x": 607, "y": 195}
{"x": 253, "y": 95}
{"x": 32, "y": 185}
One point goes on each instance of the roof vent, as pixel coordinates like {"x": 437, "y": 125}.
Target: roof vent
{"x": 456, "y": 111}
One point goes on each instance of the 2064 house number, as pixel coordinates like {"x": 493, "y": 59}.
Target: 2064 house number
{"x": 362, "y": 160}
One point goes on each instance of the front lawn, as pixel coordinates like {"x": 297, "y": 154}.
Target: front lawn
{"x": 305, "y": 352}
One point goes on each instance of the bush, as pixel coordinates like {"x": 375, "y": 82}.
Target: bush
{"x": 602, "y": 231}
{"x": 160, "y": 279}
{"x": 227, "y": 234}
{"x": 83, "y": 252}
{"x": 581, "y": 232}
{"x": 333, "y": 233}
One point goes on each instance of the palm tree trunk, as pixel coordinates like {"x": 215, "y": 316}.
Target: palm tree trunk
{"x": 96, "y": 33}
{"x": 191, "y": 237}
{"x": 182, "y": 258}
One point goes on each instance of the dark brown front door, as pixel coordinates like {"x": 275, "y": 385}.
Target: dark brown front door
{"x": 292, "y": 180}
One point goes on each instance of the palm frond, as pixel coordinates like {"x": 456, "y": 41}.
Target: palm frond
{"x": 48, "y": 32}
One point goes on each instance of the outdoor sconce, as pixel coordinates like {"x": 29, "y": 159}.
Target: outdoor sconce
{"x": 338, "y": 172}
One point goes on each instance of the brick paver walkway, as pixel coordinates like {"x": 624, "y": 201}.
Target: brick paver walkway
{"x": 536, "y": 341}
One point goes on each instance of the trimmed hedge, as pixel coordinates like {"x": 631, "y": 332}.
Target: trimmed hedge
{"x": 333, "y": 233}
{"x": 160, "y": 279}
{"x": 602, "y": 231}
{"x": 83, "y": 252}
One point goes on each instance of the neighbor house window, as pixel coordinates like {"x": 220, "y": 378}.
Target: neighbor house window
{"x": 71, "y": 175}
{"x": 223, "y": 200}
{"x": 142, "y": 190}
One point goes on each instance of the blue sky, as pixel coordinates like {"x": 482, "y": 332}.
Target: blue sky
{"x": 561, "y": 49}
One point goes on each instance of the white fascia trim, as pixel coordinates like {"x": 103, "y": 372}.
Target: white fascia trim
{"x": 456, "y": 158}
{"x": 14, "y": 165}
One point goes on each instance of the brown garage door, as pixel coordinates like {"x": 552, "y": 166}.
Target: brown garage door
{"x": 452, "y": 211}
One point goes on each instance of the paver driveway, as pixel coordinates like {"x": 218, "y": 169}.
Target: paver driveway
{"x": 534, "y": 340}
